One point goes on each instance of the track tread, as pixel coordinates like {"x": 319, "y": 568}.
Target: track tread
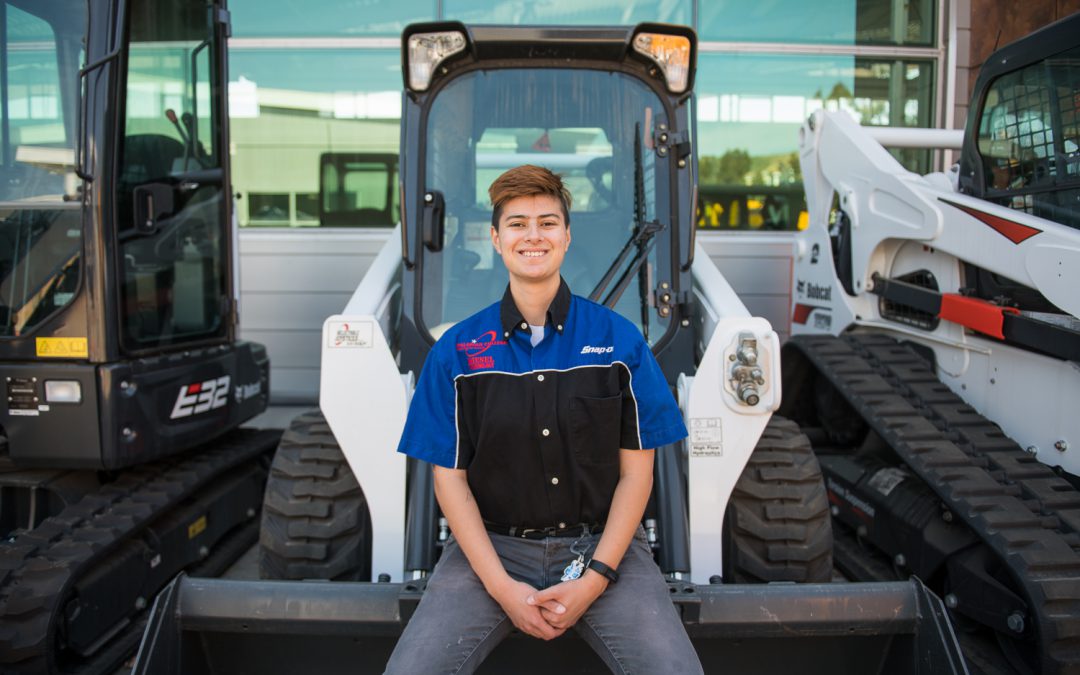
{"x": 43, "y": 565}
{"x": 1019, "y": 507}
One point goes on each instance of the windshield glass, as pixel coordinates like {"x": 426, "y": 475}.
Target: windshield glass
{"x": 578, "y": 123}
{"x": 41, "y": 50}
{"x": 1029, "y": 139}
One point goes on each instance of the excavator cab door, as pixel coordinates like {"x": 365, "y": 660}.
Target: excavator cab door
{"x": 173, "y": 265}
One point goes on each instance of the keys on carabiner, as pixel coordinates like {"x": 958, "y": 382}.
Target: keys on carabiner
{"x": 574, "y": 570}
{"x": 577, "y": 567}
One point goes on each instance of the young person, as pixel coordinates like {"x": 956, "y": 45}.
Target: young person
{"x": 540, "y": 415}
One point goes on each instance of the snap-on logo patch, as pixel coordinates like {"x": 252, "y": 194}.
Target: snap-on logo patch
{"x": 587, "y": 349}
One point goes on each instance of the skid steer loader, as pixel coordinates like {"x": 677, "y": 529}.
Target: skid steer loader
{"x": 742, "y": 500}
{"x": 936, "y": 359}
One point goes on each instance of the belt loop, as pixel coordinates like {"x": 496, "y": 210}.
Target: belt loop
{"x": 512, "y": 532}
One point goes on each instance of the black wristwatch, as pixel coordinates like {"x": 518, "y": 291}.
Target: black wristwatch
{"x": 603, "y": 569}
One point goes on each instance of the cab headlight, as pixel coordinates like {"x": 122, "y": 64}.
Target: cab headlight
{"x": 427, "y": 51}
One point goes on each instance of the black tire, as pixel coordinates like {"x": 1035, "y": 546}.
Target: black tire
{"x": 315, "y": 520}
{"x": 777, "y": 525}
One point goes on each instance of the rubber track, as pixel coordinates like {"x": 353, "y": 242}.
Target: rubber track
{"x": 1024, "y": 512}
{"x": 39, "y": 567}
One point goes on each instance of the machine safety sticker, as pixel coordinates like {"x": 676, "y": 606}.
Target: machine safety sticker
{"x": 350, "y": 334}
{"x": 886, "y": 480}
{"x": 62, "y": 347}
{"x": 706, "y": 438}
{"x": 15, "y": 412}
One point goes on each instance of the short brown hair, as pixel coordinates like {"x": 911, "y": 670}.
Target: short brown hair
{"x": 527, "y": 180}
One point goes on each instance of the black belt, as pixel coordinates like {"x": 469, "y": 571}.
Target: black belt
{"x": 543, "y": 532}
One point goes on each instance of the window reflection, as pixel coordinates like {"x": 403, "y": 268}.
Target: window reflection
{"x": 907, "y": 22}
{"x": 329, "y": 18}
{"x": 289, "y": 109}
{"x": 750, "y": 107}
{"x": 568, "y": 12}
{"x": 290, "y": 106}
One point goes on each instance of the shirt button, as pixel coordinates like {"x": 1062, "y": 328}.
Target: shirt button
{"x": 562, "y": 526}
{"x": 524, "y": 325}
{"x": 545, "y": 432}
{"x": 554, "y": 480}
{"x": 559, "y": 328}
{"x": 539, "y": 378}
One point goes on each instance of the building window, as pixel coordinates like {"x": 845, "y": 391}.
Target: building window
{"x": 326, "y": 18}
{"x": 290, "y": 107}
{"x": 750, "y": 108}
{"x": 835, "y": 22}
{"x": 268, "y": 209}
{"x": 308, "y": 84}
{"x": 568, "y": 12}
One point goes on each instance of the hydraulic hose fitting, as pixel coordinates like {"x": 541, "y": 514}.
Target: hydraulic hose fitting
{"x": 748, "y": 393}
{"x": 746, "y": 374}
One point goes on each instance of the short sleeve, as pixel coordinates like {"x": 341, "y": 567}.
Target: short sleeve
{"x": 430, "y": 432}
{"x": 651, "y": 417}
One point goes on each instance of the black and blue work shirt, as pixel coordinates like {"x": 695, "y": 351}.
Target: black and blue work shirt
{"x": 539, "y": 428}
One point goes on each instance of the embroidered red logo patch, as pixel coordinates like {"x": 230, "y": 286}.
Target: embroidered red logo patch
{"x": 480, "y": 345}
{"x": 474, "y": 348}
{"x": 478, "y": 362}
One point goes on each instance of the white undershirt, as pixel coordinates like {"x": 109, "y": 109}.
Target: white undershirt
{"x": 537, "y": 334}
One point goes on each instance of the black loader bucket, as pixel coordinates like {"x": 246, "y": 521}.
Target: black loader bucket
{"x": 218, "y": 626}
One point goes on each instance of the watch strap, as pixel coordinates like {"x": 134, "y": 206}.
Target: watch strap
{"x": 604, "y": 570}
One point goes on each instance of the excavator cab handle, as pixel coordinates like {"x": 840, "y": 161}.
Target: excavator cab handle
{"x": 153, "y": 201}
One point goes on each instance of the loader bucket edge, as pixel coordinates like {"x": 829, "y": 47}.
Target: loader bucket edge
{"x": 202, "y": 626}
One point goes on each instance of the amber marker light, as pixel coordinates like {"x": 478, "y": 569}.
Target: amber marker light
{"x": 671, "y": 53}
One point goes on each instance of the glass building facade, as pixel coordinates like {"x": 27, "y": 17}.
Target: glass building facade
{"x": 317, "y": 85}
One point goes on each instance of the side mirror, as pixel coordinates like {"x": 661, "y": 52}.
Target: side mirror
{"x": 433, "y": 223}
{"x": 153, "y": 201}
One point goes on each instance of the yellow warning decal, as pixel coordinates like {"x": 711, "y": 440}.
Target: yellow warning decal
{"x": 195, "y": 528}
{"x": 62, "y": 347}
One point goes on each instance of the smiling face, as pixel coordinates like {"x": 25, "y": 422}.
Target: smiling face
{"x": 532, "y": 238}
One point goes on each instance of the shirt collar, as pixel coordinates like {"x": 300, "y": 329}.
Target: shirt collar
{"x": 556, "y": 314}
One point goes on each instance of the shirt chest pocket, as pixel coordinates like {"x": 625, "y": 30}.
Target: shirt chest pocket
{"x": 595, "y": 424}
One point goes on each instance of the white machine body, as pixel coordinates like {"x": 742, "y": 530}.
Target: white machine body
{"x": 902, "y": 222}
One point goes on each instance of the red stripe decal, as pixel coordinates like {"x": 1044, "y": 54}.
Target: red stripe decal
{"x": 974, "y": 313}
{"x": 802, "y": 313}
{"x": 1013, "y": 231}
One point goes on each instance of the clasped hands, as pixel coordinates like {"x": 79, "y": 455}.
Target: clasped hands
{"x": 547, "y": 614}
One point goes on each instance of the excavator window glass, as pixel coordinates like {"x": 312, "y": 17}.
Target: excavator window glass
{"x": 1029, "y": 139}
{"x": 40, "y": 219}
{"x": 579, "y": 123}
{"x": 170, "y": 211}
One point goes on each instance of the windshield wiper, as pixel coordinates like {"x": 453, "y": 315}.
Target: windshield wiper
{"x": 642, "y": 239}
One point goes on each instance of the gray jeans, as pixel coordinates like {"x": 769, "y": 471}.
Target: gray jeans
{"x": 633, "y": 626}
